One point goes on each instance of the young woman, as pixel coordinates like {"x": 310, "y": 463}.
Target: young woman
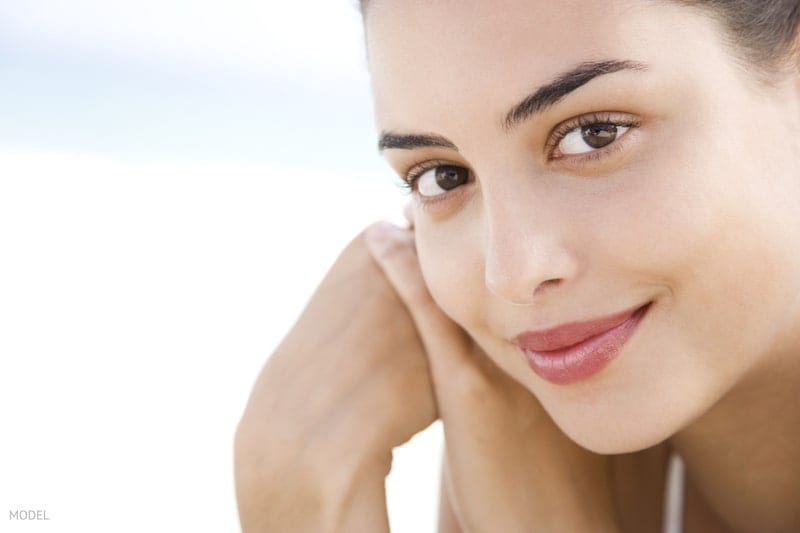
{"x": 603, "y": 271}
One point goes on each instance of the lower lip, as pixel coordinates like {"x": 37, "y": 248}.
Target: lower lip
{"x": 587, "y": 358}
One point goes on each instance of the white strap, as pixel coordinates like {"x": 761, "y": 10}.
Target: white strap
{"x": 674, "y": 495}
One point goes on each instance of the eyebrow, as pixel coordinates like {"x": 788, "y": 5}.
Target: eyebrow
{"x": 417, "y": 140}
{"x": 538, "y": 101}
{"x": 550, "y": 93}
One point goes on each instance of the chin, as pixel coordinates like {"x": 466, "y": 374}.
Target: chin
{"x": 597, "y": 434}
{"x": 617, "y": 444}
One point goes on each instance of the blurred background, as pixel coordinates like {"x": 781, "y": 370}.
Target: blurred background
{"x": 175, "y": 179}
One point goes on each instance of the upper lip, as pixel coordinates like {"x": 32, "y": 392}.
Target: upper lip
{"x": 571, "y": 333}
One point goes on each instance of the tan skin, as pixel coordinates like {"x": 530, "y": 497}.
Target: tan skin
{"x": 694, "y": 209}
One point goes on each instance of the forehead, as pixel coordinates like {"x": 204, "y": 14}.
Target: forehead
{"x": 432, "y": 59}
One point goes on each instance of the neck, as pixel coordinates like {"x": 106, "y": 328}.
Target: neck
{"x": 742, "y": 455}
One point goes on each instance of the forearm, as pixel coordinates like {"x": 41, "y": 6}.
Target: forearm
{"x": 348, "y": 383}
{"x": 360, "y": 508}
{"x": 296, "y": 494}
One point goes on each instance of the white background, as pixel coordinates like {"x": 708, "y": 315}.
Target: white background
{"x": 175, "y": 178}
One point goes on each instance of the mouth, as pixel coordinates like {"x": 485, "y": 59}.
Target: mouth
{"x": 578, "y": 350}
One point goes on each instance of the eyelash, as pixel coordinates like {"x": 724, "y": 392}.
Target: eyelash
{"x": 417, "y": 170}
{"x": 583, "y": 121}
{"x": 408, "y": 181}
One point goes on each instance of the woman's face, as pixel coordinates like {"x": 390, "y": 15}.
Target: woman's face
{"x": 683, "y": 191}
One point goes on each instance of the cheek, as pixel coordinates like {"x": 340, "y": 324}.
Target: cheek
{"x": 705, "y": 234}
{"x": 451, "y": 261}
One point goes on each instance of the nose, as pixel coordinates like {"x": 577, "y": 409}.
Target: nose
{"x": 526, "y": 256}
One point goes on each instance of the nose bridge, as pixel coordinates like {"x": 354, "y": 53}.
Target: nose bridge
{"x": 526, "y": 251}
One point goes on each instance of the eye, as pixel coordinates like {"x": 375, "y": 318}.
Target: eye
{"x": 440, "y": 179}
{"x": 591, "y": 137}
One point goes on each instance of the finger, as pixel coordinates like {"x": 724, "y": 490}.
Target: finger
{"x": 447, "y": 345}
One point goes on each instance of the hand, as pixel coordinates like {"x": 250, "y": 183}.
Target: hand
{"x": 510, "y": 468}
{"x": 348, "y": 383}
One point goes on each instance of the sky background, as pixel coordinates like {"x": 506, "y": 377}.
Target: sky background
{"x": 175, "y": 179}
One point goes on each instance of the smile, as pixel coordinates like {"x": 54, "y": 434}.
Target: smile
{"x": 578, "y": 350}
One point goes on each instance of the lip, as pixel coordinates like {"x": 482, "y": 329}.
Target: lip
{"x": 577, "y": 350}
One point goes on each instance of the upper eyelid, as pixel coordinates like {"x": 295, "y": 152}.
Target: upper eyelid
{"x": 604, "y": 117}
{"x": 418, "y": 169}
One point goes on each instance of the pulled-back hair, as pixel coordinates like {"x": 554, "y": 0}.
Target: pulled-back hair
{"x": 762, "y": 32}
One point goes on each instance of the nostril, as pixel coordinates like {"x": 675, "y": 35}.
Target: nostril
{"x": 547, "y": 285}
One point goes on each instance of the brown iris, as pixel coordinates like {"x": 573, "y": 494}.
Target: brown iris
{"x": 599, "y": 135}
{"x": 450, "y": 176}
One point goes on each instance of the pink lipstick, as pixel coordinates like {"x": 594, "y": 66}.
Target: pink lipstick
{"x": 575, "y": 351}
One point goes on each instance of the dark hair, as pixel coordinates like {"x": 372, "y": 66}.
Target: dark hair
{"x": 762, "y": 32}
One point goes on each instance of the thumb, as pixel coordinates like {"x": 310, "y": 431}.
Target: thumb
{"x": 449, "y": 348}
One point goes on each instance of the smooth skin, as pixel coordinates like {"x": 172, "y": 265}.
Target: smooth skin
{"x": 314, "y": 444}
{"x": 333, "y": 401}
{"x": 694, "y": 209}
